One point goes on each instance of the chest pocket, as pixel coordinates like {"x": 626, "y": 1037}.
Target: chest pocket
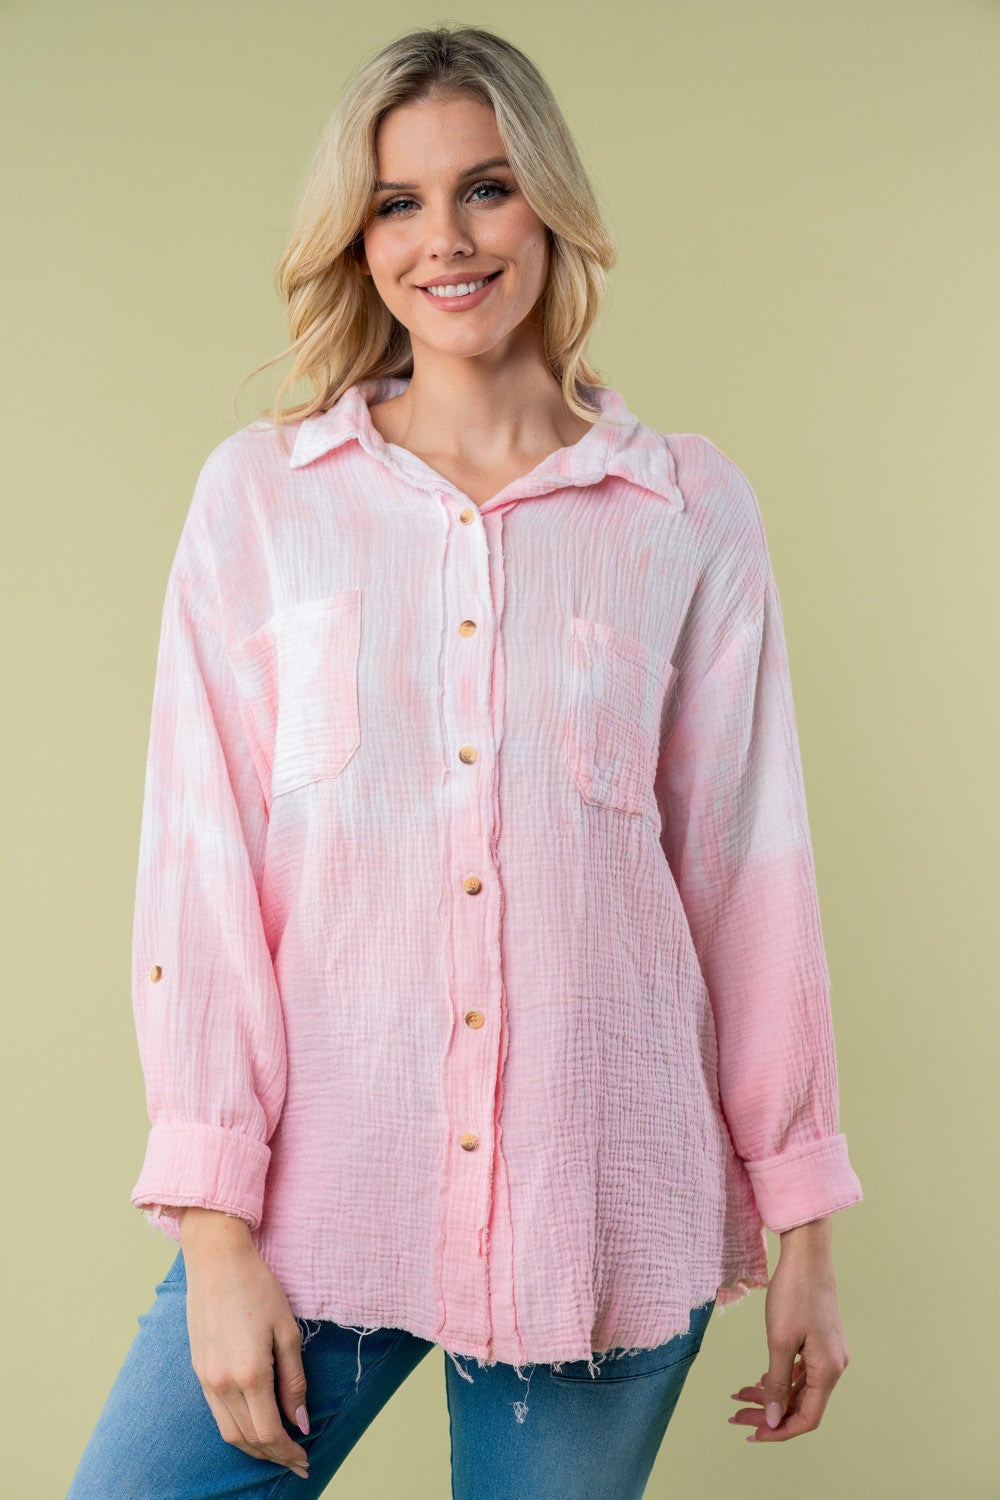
{"x": 299, "y": 676}
{"x": 612, "y": 728}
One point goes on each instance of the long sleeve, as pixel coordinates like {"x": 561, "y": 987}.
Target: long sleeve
{"x": 735, "y": 833}
{"x": 207, "y": 1009}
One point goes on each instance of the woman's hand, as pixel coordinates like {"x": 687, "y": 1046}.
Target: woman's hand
{"x": 240, "y": 1326}
{"x": 802, "y": 1319}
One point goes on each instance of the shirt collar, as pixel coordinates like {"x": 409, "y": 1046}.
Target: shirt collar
{"x": 617, "y": 443}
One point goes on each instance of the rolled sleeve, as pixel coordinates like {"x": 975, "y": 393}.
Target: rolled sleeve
{"x": 206, "y": 1004}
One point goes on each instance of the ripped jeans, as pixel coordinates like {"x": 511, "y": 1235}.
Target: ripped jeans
{"x": 571, "y": 1431}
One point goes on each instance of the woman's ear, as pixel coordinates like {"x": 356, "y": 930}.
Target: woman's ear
{"x": 358, "y": 251}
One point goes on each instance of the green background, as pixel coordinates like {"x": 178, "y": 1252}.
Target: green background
{"x": 805, "y": 201}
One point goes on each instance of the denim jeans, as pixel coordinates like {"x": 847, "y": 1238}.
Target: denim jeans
{"x": 564, "y": 1433}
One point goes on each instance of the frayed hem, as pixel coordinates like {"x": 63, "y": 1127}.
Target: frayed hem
{"x": 730, "y": 1296}
{"x": 361, "y": 1333}
{"x": 520, "y": 1407}
{"x": 308, "y": 1331}
{"x": 594, "y": 1362}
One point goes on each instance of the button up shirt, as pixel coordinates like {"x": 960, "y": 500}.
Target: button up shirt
{"x": 477, "y": 957}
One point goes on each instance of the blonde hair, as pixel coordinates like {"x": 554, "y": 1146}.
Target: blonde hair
{"x": 341, "y": 331}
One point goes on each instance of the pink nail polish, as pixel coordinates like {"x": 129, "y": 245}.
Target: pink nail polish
{"x": 302, "y": 1418}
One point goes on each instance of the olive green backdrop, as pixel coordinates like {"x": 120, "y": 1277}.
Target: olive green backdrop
{"x": 805, "y": 199}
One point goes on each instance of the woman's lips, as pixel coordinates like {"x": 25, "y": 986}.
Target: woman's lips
{"x": 455, "y": 304}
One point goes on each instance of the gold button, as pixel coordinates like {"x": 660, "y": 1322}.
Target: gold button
{"x": 465, "y": 515}
{"x": 467, "y": 627}
{"x": 469, "y": 1141}
{"x": 468, "y": 754}
{"x": 156, "y": 973}
{"x": 472, "y": 884}
{"x": 474, "y": 1018}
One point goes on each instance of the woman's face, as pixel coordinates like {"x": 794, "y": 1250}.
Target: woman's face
{"x": 451, "y": 221}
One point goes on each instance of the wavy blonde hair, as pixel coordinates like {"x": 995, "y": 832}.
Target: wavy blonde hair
{"x": 341, "y": 331}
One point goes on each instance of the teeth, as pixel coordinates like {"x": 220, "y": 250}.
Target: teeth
{"x": 461, "y": 290}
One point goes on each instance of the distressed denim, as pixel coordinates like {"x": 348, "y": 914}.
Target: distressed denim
{"x": 548, "y": 1432}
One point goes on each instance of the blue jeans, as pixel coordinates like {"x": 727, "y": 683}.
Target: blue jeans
{"x": 582, "y": 1434}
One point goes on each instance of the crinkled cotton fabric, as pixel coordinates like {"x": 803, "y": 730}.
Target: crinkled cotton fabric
{"x": 477, "y": 958}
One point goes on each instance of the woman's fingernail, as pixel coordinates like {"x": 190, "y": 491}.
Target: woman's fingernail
{"x": 773, "y": 1413}
{"x": 302, "y": 1418}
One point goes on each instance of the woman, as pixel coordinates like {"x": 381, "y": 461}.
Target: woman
{"x": 478, "y": 976}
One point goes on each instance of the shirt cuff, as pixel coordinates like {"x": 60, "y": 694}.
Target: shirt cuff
{"x": 805, "y": 1183}
{"x": 203, "y": 1166}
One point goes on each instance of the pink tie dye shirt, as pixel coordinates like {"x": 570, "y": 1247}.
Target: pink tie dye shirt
{"x": 477, "y": 956}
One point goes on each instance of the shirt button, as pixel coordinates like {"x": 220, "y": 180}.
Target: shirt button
{"x": 156, "y": 973}
{"x": 465, "y": 515}
{"x": 469, "y": 1141}
{"x": 468, "y": 754}
{"x": 472, "y": 884}
{"x": 474, "y": 1018}
{"x": 467, "y": 627}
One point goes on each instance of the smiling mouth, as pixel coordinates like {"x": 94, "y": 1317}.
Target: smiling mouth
{"x": 461, "y": 289}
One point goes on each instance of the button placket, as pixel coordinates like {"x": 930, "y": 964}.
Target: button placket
{"x": 474, "y": 904}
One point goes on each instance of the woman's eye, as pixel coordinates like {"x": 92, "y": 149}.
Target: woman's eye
{"x": 388, "y": 209}
{"x": 498, "y": 187}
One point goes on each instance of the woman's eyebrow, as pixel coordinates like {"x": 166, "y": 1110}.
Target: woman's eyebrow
{"x": 406, "y": 187}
